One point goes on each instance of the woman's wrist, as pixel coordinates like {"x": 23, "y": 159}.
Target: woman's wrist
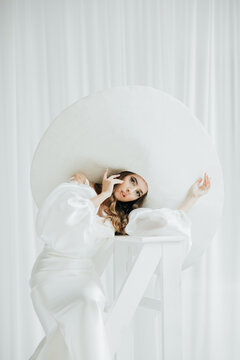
{"x": 99, "y": 199}
{"x": 188, "y": 203}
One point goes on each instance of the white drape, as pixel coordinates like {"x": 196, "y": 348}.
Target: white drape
{"x": 54, "y": 52}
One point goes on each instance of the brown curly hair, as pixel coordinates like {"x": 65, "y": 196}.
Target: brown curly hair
{"x": 118, "y": 211}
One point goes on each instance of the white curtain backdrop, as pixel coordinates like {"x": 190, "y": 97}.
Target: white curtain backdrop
{"x": 54, "y": 52}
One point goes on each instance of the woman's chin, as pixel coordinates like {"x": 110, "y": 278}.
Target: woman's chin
{"x": 120, "y": 198}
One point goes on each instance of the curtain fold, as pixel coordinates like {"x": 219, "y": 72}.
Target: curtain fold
{"x": 55, "y": 52}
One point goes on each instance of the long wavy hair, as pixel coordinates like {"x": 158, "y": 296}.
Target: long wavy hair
{"x": 118, "y": 211}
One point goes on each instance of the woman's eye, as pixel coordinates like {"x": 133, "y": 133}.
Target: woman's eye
{"x": 132, "y": 179}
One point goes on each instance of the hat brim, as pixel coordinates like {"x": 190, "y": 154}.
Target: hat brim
{"x": 141, "y": 129}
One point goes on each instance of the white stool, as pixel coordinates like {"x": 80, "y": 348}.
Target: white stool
{"x": 161, "y": 255}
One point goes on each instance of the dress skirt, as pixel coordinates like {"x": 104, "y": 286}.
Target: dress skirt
{"x": 69, "y": 299}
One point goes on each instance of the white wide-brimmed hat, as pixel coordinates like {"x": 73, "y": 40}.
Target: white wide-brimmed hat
{"x": 140, "y": 129}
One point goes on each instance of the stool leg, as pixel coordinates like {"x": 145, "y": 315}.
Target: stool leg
{"x": 171, "y": 267}
{"x": 131, "y": 292}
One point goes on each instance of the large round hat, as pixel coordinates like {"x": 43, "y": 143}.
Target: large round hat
{"x": 141, "y": 129}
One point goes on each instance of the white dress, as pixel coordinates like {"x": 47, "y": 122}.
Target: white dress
{"x": 66, "y": 290}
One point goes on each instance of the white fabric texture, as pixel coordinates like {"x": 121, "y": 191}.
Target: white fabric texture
{"x": 67, "y": 293}
{"x": 55, "y": 52}
{"x": 66, "y": 213}
{"x": 161, "y": 222}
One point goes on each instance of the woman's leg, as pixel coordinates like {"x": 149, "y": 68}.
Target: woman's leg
{"x": 73, "y": 306}
{"x": 52, "y": 346}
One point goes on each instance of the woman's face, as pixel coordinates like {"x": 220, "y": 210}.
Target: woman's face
{"x": 132, "y": 188}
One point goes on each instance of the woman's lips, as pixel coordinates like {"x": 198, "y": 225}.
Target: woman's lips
{"x": 123, "y": 194}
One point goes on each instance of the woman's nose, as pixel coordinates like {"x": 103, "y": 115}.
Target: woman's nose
{"x": 130, "y": 190}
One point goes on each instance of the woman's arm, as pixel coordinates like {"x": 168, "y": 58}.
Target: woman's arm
{"x": 81, "y": 179}
{"x": 188, "y": 203}
{"x": 107, "y": 188}
{"x": 195, "y": 192}
{"x": 99, "y": 199}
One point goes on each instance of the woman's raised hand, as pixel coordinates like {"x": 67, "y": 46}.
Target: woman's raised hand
{"x": 108, "y": 183}
{"x": 197, "y": 189}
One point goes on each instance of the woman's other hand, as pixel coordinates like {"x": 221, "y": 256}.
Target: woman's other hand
{"x": 79, "y": 177}
{"x": 197, "y": 189}
{"x": 108, "y": 183}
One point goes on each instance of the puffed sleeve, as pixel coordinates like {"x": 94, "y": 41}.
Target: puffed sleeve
{"x": 66, "y": 221}
{"x": 164, "y": 221}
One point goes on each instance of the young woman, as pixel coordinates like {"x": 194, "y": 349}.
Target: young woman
{"x": 116, "y": 202}
{"x": 73, "y": 222}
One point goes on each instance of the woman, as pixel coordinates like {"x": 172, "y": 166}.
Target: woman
{"x": 74, "y": 222}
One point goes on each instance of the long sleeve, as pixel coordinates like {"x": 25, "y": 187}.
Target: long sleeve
{"x": 67, "y": 219}
{"x": 164, "y": 221}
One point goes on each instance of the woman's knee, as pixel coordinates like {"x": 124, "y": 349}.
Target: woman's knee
{"x": 92, "y": 294}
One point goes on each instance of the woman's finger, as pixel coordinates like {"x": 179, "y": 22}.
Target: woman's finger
{"x": 118, "y": 181}
{"x": 209, "y": 181}
{"x": 105, "y": 174}
{"x": 205, "y": 180}
{"x": 112, "y": 176}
